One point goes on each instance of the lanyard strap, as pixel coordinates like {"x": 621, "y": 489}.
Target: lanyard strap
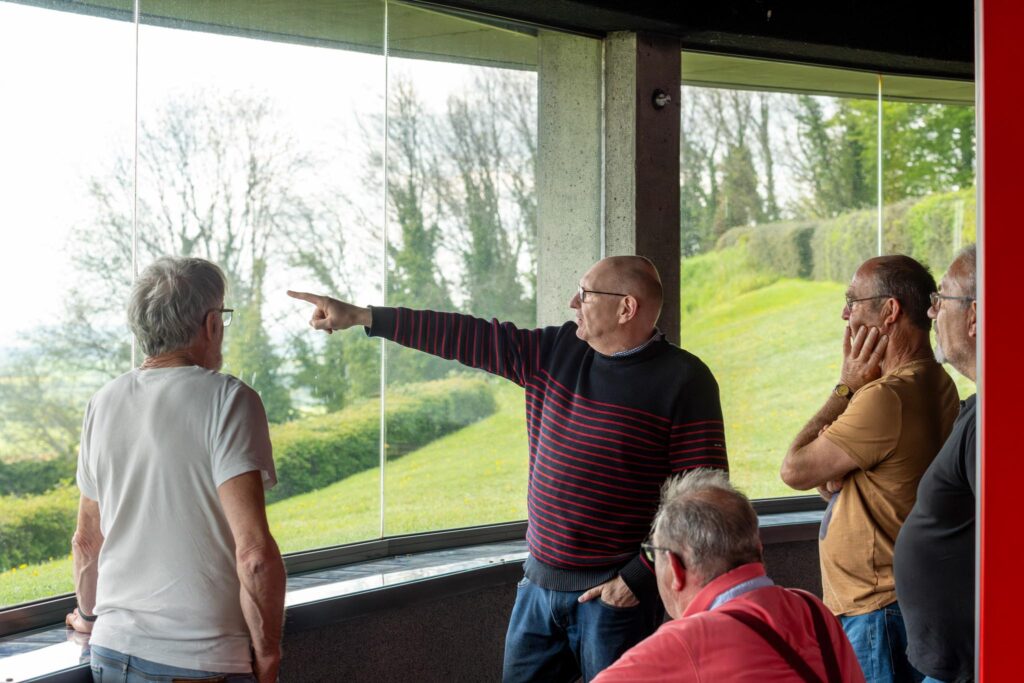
{"x": 776, "y": 642}
{"x": 786, "y": 651}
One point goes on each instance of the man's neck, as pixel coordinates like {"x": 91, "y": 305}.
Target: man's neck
{"x": 172, "y": 359}
{"x": 627, "y": 342}
{"x": 904, "y": 348}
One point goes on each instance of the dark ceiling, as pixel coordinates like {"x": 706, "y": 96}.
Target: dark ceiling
{"x": 934, "y": 38}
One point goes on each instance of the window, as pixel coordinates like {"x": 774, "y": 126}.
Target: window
{"x": 780, "y": 203}
{"x": 377, "y": 151}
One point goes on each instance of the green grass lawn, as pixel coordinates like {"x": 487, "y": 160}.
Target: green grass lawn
{"x": 476, "y": 475}
{"x": 776, "y": 353}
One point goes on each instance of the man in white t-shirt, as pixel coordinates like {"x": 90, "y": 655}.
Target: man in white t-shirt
{"x": 176, "y": 572}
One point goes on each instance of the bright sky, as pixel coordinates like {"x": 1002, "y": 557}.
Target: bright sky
{"x": 68, "y": 113}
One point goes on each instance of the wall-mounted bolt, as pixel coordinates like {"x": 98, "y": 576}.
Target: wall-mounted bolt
{"x": 661, "y": 99}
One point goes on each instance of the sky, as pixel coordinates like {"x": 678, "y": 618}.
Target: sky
{"x": 68, "y": 112}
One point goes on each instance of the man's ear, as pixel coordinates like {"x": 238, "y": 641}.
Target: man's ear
{"x": 972, "y": 320}
{"x": 210, "y": 325}
{"x": 679, "y": 576}
{"x": 628, "y": 309}
{"x": 891, "y": 310}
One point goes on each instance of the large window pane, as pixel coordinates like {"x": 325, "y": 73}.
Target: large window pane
{"x": 929, "y": 166}
{"x": 260, "y": 149}
{"x": 461, "y": 237}
{"x": 779, "y": 206}
{"x": 67, "y": 85}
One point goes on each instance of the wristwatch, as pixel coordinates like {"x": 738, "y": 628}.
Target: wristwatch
{"x": 843, "y": 391}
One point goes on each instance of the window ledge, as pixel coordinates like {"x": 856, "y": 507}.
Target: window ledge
{"x": 318, "y": 598}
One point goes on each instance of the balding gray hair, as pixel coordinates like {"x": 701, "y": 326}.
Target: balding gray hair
{"x": 969, "y": 257}
{"x": 169, "y": 302}
{"x": 710, "y": 524}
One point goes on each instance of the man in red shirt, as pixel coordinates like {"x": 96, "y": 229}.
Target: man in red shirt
{"x": 730, "y": 621}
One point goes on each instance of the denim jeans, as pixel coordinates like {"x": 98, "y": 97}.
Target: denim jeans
{"x": 109, "y": 666}
{"x": 879, "y": 640}
{"x": 552, "y": 637}
{"x": 929, "y": 679}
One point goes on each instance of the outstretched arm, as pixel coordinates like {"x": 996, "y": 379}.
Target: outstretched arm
{"x": 499, "y": 348}
{"x": 332, "y": 314}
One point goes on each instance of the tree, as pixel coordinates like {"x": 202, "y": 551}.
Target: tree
{"x": 217, "y": 179}
{"x": 490, "y": 149}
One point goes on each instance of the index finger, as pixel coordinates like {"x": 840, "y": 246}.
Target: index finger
{"x": 314, "y": 299}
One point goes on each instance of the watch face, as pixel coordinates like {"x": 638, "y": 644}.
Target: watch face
{"x": 843, "y": 390}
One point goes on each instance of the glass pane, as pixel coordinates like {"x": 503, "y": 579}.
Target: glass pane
{"x": 778, "y": 208}
{"x": 68, "y": 86}
{"x": 258, "y": 150}
{"x": 929, "y": 167}
{"x": 462, "y": 140}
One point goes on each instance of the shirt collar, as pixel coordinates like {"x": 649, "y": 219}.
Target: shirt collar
{"x": 658, "y": 334}
{"x": 706, "y": 598}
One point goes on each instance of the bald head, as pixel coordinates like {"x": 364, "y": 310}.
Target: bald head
{"x": 635, "y": 275}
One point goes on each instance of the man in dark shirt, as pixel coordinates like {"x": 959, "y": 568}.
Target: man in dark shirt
{"x": 612, "y": 410}
{"x": 935, "y": 551}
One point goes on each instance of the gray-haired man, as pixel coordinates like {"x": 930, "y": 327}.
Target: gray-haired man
{"x": 176, "y": 572}
{"x": 730, "y": 621}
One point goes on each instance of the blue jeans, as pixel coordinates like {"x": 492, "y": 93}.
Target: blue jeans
{"x": 110, "y": 665}
{"x": 929, "y": 679}
{"x": 879, "y": 640}
{"x": 552, "y": 637}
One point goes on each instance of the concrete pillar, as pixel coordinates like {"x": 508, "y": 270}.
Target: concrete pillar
{"x": 642, "y": 158}
{"x": 569, "y": 173}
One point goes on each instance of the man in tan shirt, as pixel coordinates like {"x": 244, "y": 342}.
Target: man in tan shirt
{"x": 867, "y": 448}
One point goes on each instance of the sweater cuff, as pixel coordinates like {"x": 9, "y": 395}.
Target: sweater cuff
{"x": 640, "y": 578}
{"x": 382, "y": 322}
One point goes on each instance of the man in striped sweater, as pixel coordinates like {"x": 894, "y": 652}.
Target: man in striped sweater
{"x": 612, "y": 410}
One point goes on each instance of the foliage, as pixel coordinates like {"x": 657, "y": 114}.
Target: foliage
{"x": 718, "y": 276}
{"x": 930, "y": 229}
{"x": 781, "y": 248}
{"x": 934, "y": 228}
{"x": 317, "y": 451}
{"x": 30, "y": 477}
{"x": 37, "y": 528}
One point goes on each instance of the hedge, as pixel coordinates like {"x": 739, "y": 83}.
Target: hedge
{"x": 30, "y": 477}
{"x": 37, "y": 528}
{"x": 929, "y": 229}
{"x": 309, "y": 453}
{"x": 781, "y": 248}
{"x": 318, "y": 451}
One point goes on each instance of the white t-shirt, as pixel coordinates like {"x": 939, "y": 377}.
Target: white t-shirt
{"x": 156, "y": 444}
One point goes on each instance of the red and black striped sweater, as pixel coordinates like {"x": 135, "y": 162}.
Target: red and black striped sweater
{"x": 604, "y": 432}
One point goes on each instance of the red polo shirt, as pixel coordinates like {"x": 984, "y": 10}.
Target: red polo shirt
{"x": 710, "y": 646}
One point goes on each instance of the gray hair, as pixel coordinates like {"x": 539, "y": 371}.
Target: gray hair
{"x": 710, "y": 524}
{"x": 170, "y": 300}
{"x": 969, "y": 255}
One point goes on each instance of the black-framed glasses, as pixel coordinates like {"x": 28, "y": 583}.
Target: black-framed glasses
{"x": 225, "y": 314}
{"x": 650, "y": 550}
{"x": 582, "y": 293}
{"x": 850, "y": 302}
{"x": 937, "y": 299}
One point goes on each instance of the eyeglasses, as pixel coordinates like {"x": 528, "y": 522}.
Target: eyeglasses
{"x": 225, "y": 314}
{"x": 850, "y": 302}
{"x": 937, "y": 299}
{"x": 582, "y": 293}
{"x": 650, "y": 552}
